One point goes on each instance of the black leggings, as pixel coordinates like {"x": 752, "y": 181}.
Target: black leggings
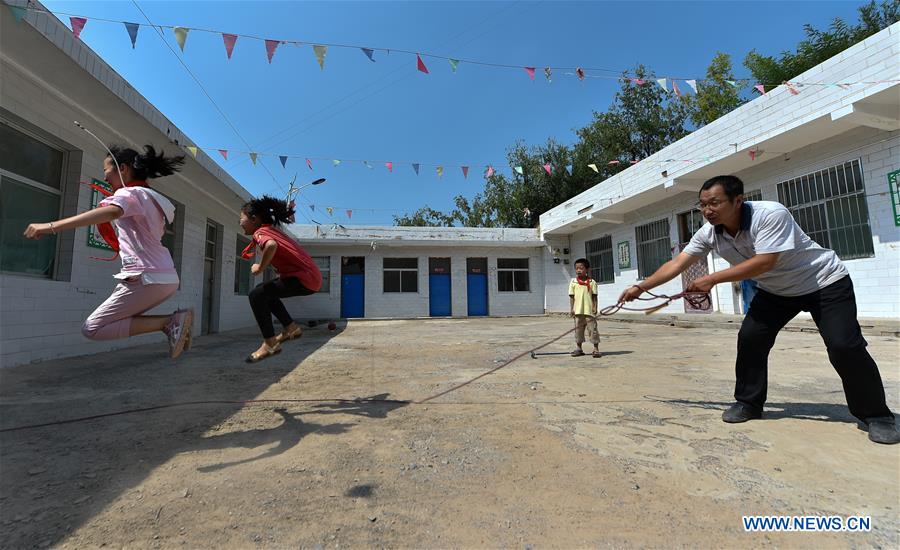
{"x": 265, "y": 300}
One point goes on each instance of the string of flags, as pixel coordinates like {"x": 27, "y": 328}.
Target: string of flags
{"x": 320, "y": 51}
{"x": 488, "y": 169}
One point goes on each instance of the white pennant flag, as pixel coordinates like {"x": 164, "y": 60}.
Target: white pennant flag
{"x": 692, "y": 84}
{"x": 662, "y": 83}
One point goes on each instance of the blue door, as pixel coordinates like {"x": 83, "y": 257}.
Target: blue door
{"x": 439, "y": 295}
{"x": 353, "y": 287}
{"x": 477, "y": 290}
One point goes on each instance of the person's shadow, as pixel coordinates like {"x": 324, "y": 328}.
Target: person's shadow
{"x": 293, "y": 429}
{"x": 823, "y": 412}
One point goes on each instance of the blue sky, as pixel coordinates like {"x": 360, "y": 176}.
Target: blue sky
{"x": 387, "y": 110}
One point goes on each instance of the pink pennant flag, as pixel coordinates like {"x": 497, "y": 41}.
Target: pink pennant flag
{"x": 761, "y": 89}
{"x": 421, "y": 64}
{"x": 308, "y": 163}
{"x": 612, "y": 162}
{"x": 752, "y": 154}
{"x": 675, "y": 88}
{"x": 490, "y": 171}
{"x": 349, "y": 214}
{"x": 530, "y": 71}
{"x": 792, "y": 89}
{"x": 77, "y": 25}
{"x": 547, "y": 168}
{"x": 224, "y": 153}
{"x": 229, "y": 40}
{"x": 638, "y": 81}
{"x": 465, "y": 170}
{"x": 390, "y": 166}
{"x": 271, "y": 45}
{"x": 634, "y": 162}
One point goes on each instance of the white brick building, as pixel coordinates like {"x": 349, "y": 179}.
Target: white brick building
{"x": 48, "y": 79}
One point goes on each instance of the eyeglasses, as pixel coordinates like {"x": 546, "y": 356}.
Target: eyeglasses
{"x": 715, "y": 203}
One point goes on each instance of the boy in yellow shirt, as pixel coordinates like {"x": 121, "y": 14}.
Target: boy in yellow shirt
{"x": 583, "y": 307}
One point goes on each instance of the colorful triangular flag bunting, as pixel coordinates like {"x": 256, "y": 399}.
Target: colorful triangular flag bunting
{"x": 791, "y": 88}
{"x": 692, "y": 84}
{"x": 349, "y": 214}
{"x": 547, "y": 168}
{"x": 453, "y": 64}
{"x": 662, "y": 83}
{"x": 519, "y": 170}
{"x": 548, "y": 72}
{"x": 336, "y": 163}
{"x": 132, "y": 29}
{"x": 490, "y": 171}
{"x": 309, "y": 164}
{"x": 193, "y": 150}
{"x": 77, "y": 25}
{"x": 369, "y": 53}
{"x": 253, "y": 158}
{"x": 329, "y": 209}
{"x": 580, "y": 72}
{"x": 530, "y": 71}
{"x": 733, "y": 83}
{"x": 612, "y": 163}
{"x": 312, "y": 207}
{"x": 594, "y": 168}
{"x": 389, "y": 166}
{"x": 229, "y": 40}
{"x": 440, "y": 171}
{"x": 675, "y": 88}
{"x": 224, "y": 153}
{"x": 760, "y": 88}
{"x": 181, "y": 36}
{"x": 416, "y": 167}
{"x": 421, "y": 64}
{"x": 271, "y": 46}
{"x": 283, "y": 160}
{"x": 369, "y": 166}
{"x": 465, "y": 171}
{"x": 569, "y": 169}
{"x": 320, "y": 52}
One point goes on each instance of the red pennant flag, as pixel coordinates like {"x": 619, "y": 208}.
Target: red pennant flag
{"x": 465, "y": 170}
{"x": 224, "y": 153}
{"x": 349, "y": 214}
{"x": 761, "y": 89}
{"x": 308, "y": 163}
{"x": 634, "y": 162}
{"x": 547, "y": 168}
{"x": 270, "y": 48}
{"x": 752, "y": 154}
{"x": 612, "y": 163}
{"x": 390, "y": 166}
{"x": 792, "y": 89}
{"x": 77, "y": 25}
{"x": 229, "y": 40}
{"x": 421, "y": 64}
{"x": 530, "y": 71}
{"x": 638, "y": 81}
{"x": 490, "y": 171}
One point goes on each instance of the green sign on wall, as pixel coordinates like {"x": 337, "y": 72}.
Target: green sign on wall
{"x": 94, "y": 239}
{"x": 895, "y": 194}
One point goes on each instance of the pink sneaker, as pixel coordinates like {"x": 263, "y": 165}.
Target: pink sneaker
{"x": 179, "y": 331}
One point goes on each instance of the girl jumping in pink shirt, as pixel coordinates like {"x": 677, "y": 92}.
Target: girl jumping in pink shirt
{"x": 148, "y": 276}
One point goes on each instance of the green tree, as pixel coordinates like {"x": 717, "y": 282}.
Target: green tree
{"x": 715, "y": 96}
{"x": 821, "y": 45}
{"x": 424, "y": 217}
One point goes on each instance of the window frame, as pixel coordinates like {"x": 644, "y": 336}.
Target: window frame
{"x": 647, "y": 266}
{"x": 513, "y": 278}
{"x": 600, "y": 257}
{"x": 400, "y": 271}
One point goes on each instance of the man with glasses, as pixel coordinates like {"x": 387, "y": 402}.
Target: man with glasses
{"x": 761, "y": 241}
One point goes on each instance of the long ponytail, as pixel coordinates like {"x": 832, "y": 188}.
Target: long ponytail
{"x": 148, "y": 165}
{"x": 269, "y": 210}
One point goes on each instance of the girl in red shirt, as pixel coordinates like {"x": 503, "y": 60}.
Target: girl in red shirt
{"x": 298, "y": 274}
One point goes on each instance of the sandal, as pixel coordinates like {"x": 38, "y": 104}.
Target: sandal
{"x": 577, "y": 353}
{"x": 293, "y": 335}
{"x": 596, "y": 354}
{"x": 256, "y": 357}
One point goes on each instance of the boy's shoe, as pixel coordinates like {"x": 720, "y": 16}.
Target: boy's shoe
{"x": 596, "y": 354}
{"x": 179, "y": 331}
{"x": 577, "y": 353}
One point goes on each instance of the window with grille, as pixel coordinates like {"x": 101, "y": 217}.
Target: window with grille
{"x": 242, "y": 276}
{"x": 31, "y": 184}
{"x": 401, "y": 274}
{"x": 512, "y": 274}
{"x": 688, "y": 224}
{"x": 653, "y": 249}
{"x": 600, "y": 255}
{"x": 755, "y": 195}
{"x": 324, "y": 265}
{"x": 830, "y": 206}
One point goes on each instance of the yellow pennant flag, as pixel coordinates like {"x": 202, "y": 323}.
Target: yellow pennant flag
{"x": 193, "y": 151}
{"x": 594, "y": 168}
{"x": 180, "y": 36}
{"x": 320, "y": 52}
{"x": 440, "y": 171}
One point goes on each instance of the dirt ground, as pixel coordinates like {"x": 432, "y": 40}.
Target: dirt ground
{"x": 626, "y": 450}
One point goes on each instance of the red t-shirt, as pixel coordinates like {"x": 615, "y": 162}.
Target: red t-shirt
{"x": 290, "y": 259}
